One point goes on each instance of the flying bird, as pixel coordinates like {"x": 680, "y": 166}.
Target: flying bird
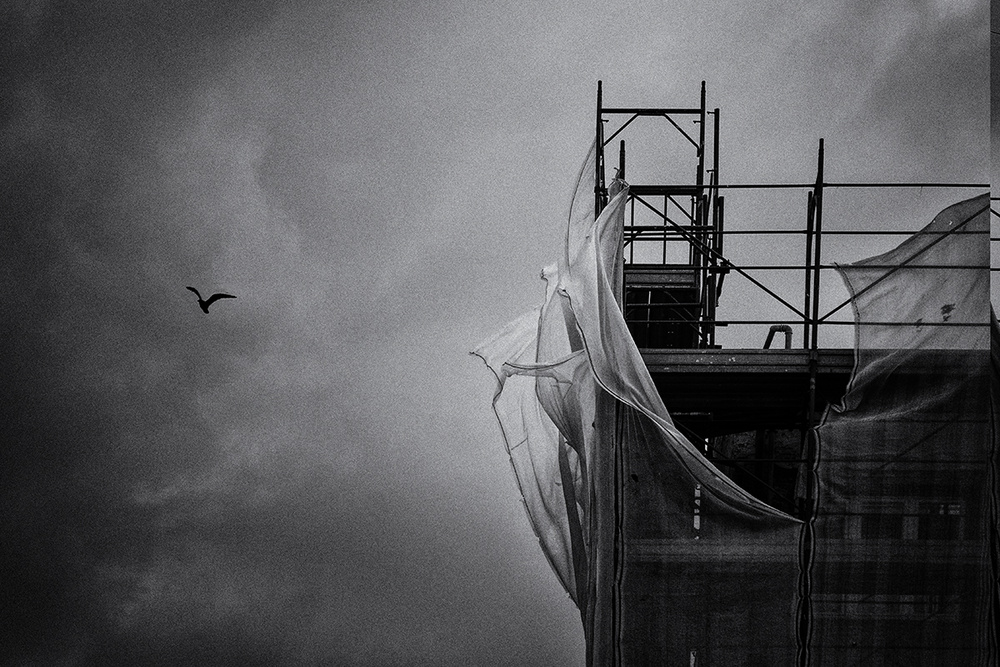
{"x": 205, "y": 303}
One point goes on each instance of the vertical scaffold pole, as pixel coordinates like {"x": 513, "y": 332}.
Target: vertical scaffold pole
{"x": 701, "y": 220}
{"x": 817, "y": 229}
{"x": 809, "y": 509}
{"x": 599, "y": 161}
{"x": 715, "y": 149}
{"x": 621, "y": 175}
{"x": 712, "y": 291}
{"x": 818, "y": 199}
{"x": 701, "y": 142}
{"x": 807, "y": 304}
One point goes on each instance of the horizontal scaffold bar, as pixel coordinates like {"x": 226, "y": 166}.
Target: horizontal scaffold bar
{"x": 668, "y": 190}
{"x": 651, "y": 112}
{"x": 825, "y": 232}
{"x": 798, "y": 267}
{"x": 726, "y": 323}
{"x": 778, "y": 186}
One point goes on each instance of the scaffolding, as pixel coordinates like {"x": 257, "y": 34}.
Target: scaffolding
{"x": 674, "y": 304}
{"x": 755, "y": 412}
{"x": 710, "y": 503}
{"x": 674, "y": 273}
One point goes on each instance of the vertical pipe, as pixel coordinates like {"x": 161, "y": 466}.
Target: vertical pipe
{"x": 722, "y": 226}
{"x": 599, "y": 158}
{"x": 715, "y": 149}
{"x": 811, "y": 438}
{"x": 609, "y": 540}
{"x": 697, "y": 232}
{"x": 816, "y": 258}
{"x": 722, "y": 247}
{"x": 807, "y": 305}
{"x": 621, "y": 175}
{"x": 619, "y": 531}
{"x": 631, "y": 246}
{"x": 700, "y": 217}
{"x": 701, "y": 142}
{"x": 666, "y": 212}
{"x": 713, "y": 272}
{"x": 703, "y": 270}
{"x": 717, "y": 220}
{"x": 720, "y": 205}
{"x": 602, "y": 628}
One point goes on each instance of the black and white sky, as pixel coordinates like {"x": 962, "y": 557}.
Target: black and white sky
{"x": 311, "y": 473}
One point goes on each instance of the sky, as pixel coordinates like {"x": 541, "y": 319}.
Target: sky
{"x": 312, "y": 473}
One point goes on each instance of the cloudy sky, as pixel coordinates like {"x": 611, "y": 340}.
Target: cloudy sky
{"x": 311, "y": 474}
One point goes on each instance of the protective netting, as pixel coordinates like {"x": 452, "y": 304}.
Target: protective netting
{"x": 672, "y": 563}
{"x": 902, "y": 571}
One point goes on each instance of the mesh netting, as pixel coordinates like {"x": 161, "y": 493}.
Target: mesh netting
{"x": 902, "y": 535}
{"x": 670, "y": 562}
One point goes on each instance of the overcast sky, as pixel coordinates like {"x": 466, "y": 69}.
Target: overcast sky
{"x": 311, "y": 474}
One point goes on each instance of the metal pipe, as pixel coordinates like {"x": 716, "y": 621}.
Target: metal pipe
{"x": 810, "y": 443}
{"x": 701, "y": 142}
{"x": 818, "y": 199}
{"x": 715, "y": 149}
{"x": 827, "y": 232}
{"x": 599, "y": 148}
{"x": 618, "y": 131}
{"x": 824, "y": 267}
{"x": 652, "y": 112}
{"x": 726, "y": 323}
{"x": 810, "y": 213}
{"x": 775, "y": 328}
{"x": 721, "y": 253}
{"x": 804, "y": 186}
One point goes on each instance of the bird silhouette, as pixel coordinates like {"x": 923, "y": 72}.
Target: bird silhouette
{"x": 205, "y": 303}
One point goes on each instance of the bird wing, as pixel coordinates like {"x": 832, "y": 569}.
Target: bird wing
{"x": 215, "y": 297}
{"x": 195, "y": 291}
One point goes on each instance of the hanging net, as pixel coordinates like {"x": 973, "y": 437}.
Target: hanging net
{"x": 906, "y": 515}
{"x": 670, "y": 562}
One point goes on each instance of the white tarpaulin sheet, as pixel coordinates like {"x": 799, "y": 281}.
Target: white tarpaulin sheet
{"x": 564, "y": 371}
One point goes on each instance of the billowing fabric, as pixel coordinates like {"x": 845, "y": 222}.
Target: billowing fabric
{"x": 640, "y": 528}
{"x": 906, "y": 521}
